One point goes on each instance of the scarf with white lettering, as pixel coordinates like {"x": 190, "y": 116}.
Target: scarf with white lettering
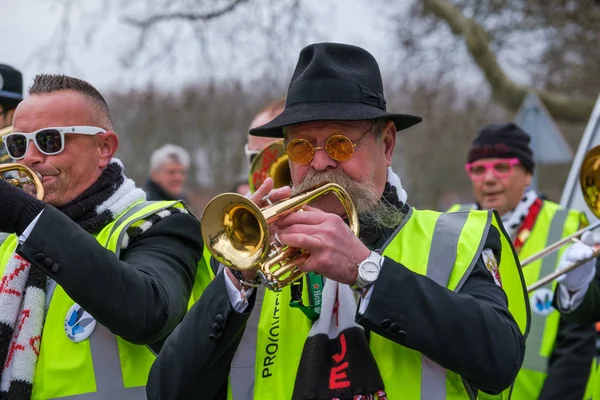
{"x": 336, "y": 361}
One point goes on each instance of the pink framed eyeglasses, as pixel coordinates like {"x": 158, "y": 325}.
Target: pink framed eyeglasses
{"x": 500, "y": 168}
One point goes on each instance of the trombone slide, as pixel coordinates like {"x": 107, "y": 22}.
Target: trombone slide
{"x": 556, "y": 245}
{"x": 556, "y": 274}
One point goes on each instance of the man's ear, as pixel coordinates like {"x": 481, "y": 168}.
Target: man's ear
{"x": 108, "y": 143}
{"x": 529, "y": 178}
{"x": 389, "y": 140}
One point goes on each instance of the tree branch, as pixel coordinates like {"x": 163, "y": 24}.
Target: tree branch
{"x": 180, "y": 15}
{"x": 504, "y": 90}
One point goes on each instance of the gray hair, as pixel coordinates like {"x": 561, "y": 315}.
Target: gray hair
{"x": 169, "y": 153}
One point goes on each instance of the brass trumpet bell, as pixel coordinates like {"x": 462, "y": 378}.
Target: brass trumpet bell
{"x": 30, "y": 177}
{"x": 589, "y": 182}
{"x": 236, "y": 232}
{"x": 271, "y": 161}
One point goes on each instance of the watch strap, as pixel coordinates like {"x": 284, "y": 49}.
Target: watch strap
{"x": 238, "y": 275}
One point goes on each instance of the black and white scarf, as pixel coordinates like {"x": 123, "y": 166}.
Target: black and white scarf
{"x": 336, "y": 361}
{"x": 513, "y": 219}
{"x": 23, "y": 290}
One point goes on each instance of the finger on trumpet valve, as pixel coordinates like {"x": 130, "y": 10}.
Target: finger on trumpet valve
{"x": 277, "y": 241}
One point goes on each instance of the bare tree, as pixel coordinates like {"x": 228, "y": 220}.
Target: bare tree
{"x": 251, "y": 39}
{"x": 554, "y": 44}
{"x": 431, "y": 155}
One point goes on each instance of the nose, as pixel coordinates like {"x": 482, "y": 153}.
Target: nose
{"x": 489, "y": 176}
{"x": 322, "y": 161}
{"x": 32, "y": 155}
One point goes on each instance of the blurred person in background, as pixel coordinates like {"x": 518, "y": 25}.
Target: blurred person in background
{"x": 256, "y": 146}
{"x": 169, "y": 166}
{"x": 559, "y": 354}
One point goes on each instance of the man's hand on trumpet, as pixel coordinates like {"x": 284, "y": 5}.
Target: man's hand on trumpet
{"x": 334, "y": 250}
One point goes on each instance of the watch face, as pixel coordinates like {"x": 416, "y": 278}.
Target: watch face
{"x": 369, "y": 271}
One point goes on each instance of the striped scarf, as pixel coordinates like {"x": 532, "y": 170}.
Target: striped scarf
{"x": 23, "y": 289}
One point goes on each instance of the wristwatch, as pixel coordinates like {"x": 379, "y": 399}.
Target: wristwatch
{"x": 238, "y": 275}
{"x": 368, "y": 271}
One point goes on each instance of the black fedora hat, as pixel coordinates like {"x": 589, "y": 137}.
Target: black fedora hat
{"x": 334, "y": 82}
{"x": 11, "y": 86}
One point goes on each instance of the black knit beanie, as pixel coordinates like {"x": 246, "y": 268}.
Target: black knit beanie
{"x": 502, "y": 141}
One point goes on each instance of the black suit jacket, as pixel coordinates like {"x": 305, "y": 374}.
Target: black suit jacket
{"x": 141, "y": 296}
{"x": 470, "y": 332}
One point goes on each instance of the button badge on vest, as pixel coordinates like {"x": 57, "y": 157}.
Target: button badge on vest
{"x": 79, "y": 324}
{"x": 541, "y": 301}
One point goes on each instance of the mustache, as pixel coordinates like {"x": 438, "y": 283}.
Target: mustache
{"x": 374, "y": 212}
{"x": 364, "y": 196}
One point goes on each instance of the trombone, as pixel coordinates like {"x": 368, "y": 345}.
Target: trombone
{"x": 272, "y": 162}
{"x": 236, "y": 232}
{"x": 589, "y": 181}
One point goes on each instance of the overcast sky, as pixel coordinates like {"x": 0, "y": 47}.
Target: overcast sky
{"x": 28, "y": 27}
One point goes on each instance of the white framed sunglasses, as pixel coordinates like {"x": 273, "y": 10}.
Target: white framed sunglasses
{"x": 49, "y": 141}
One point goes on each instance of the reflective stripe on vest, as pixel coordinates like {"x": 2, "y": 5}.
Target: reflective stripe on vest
{"x": 241, "y": 374}
{"x": 282, "y": 330}
{"x": 533, "y": 359}
{"x": 440, "y": 264}
{"x": 104, "y": 366}
{"x": 462, "y": 207}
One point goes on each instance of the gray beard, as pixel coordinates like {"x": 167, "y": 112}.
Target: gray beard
{"x": 373, "y": 211}
{"x": 382, "y": 215}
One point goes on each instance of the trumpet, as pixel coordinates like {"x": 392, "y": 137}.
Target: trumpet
{"x": 589, "y": 181}
{"x": 236, "y": 232}
{"x": 30, "y": 177}
{"x": 272, "y": 162}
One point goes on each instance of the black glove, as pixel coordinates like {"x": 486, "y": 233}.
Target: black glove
{"x": 17, "y": 208}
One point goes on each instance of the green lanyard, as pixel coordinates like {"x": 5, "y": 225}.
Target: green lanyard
{"x": 315, "y": 295}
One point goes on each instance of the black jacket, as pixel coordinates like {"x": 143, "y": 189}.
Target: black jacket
{"x": 575, "y": 346}
{"x": 470, "y": 332}
{"x": 570, "y": 362}
{"x": 141, "y": 296}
